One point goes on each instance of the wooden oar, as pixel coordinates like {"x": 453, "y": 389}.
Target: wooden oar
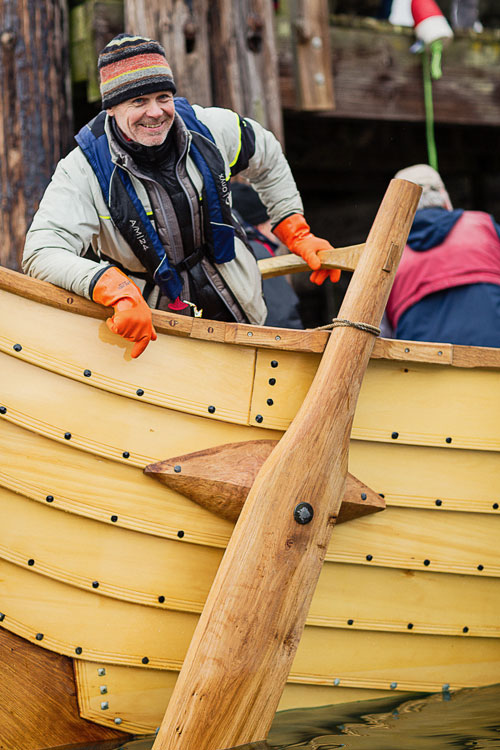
{"x": 241, "y": 652}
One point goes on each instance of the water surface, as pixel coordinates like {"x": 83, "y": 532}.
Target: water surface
{"x": 467, "y": 719}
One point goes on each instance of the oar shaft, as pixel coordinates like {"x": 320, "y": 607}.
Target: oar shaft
{"x": 247, "y": 636}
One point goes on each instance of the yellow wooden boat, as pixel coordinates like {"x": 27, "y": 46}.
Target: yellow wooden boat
{"x": 106, "y": 569}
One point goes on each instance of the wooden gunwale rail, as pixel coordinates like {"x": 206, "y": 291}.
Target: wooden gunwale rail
{"x": 285, "y": 339}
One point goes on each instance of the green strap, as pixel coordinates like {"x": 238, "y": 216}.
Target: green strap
{"x": 431, "y": 69}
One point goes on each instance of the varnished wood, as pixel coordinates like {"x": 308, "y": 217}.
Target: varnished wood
{"x": 240, "y": 655}
{"x": 40, "y": 684}
{"x": 426, "y": 562}
{"x": 100, "y": 745}
{"x": 140, "y": 695}
{"x": 234, "y": 333}
{"x": 345, "y": 258}
{"x": 219, "y": 479}
{"x": 380, "y": 602}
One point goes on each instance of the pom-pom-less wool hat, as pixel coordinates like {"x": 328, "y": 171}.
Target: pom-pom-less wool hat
{"x": 131, "y": 66}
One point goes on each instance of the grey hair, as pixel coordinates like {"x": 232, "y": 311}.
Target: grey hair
{"x": 433, "y": 198}
{"x": 434, "y": 193}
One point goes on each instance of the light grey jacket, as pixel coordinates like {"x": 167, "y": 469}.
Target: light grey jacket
{"x": 73, "y": 215}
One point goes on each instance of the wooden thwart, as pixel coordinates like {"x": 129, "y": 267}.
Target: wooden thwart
{"x": 241, "y": 653}
{"x": 219, "y": 479}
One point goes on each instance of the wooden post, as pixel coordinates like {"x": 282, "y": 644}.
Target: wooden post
{"x": 221, "y": 53}
{"x": 241, "y": 653}
{"x": 182, "y": 28}
{"x": 244, "y": 61}
{"x": 93, "y": 23}
{"x": 36, "y": 123}
{"x": 312, "y": 54}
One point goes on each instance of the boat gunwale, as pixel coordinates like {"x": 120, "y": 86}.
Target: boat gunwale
{"x": 287, "y": 339}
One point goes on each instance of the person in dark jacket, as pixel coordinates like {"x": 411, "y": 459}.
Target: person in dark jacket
{"x": 447, "y": 287}
{"x": 281, "y": 300}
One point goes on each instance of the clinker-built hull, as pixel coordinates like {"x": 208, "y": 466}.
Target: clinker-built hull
{"x": 107, "y": 568}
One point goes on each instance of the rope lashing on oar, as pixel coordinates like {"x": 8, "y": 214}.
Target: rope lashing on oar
{"x": 341, "y": 322}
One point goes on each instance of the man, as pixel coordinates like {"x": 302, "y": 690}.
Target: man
{"x": 281, "y": 301}
{"x": 146, "y": 190}
{"x": 447, "y": 287}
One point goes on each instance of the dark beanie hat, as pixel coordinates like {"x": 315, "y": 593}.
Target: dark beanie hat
{"x": 131, "y": 66}
{"x": 248, "y": 204}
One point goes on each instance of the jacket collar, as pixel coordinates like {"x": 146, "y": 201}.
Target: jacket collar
{"x": 431, "y": 226}
{"x": 123, "y": 158}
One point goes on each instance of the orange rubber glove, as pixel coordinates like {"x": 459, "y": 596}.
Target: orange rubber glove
{"x": 295, "y": 233}
{"x": 132, "y": 317}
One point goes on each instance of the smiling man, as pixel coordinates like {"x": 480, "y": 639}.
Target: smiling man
{"x": 147, "y": 191}
{"x": 145, "y": 119}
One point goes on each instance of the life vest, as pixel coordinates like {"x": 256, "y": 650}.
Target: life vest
{"x": 469, "y": 254}
{"x": 129, "y": 215}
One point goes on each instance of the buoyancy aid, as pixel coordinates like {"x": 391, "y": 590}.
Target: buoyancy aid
{"x": 129, "y": 215}
{"x": 469, "y": 254}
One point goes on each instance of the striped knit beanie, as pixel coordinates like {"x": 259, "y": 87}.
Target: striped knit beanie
{"x": 131, "y": 66}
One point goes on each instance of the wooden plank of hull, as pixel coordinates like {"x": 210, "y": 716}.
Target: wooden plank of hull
{"x": 73, "y": 621}
{"x": 392, "y": 541}
{"x": 422, "y": 540}
{"x": 91, "y": 556}
{"x": 119, "y": 491}
{"x": 227, "y": 370}
{"x": 219, "y": 479}
{"x": 418, "y": 412}
{"x": 428, "y": 477}
{"x": 59, "y": 471}
{"x": 356, "y": 667}
{"x": 17, "y": 285}
{"x": 138, "y": 697}
{"x": 105, "y": 423}
{"x": 42, "y": 688}
{"x": 431, "y": 405}
{"x": 127, "y": 565}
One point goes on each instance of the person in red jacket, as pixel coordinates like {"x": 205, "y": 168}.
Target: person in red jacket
{"x": 447, "y": 287}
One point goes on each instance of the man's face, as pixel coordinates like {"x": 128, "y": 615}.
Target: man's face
{"x": 146, "y": 119}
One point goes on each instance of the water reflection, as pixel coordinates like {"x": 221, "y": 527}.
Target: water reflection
{"x": 467, "y": 719}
